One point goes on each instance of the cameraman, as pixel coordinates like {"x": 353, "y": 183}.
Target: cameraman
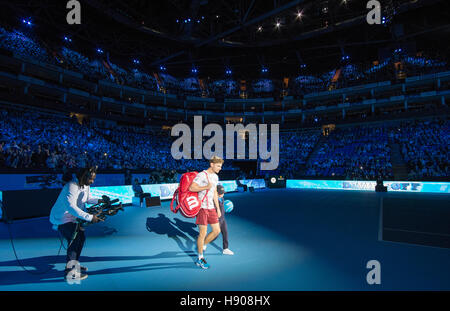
{"x": 69, "y": 206}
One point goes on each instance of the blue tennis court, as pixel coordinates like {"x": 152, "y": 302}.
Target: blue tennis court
{"x": 283, "y": 239}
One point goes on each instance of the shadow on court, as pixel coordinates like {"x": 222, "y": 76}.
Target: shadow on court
{"x": 184, "y": 233}
{"x": 42, "y": 269}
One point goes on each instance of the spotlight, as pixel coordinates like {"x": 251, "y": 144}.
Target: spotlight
{"x": 299, "y": 15}
{"x": 27, "y": 21}
{"x": 100, "y": 51}
{"x": 260, "y": 28}
{"x": 278, "y": 24}
{"x": 136, "y": 61}
{"x": 162, "y": 68}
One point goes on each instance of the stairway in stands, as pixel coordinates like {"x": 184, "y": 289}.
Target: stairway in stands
{"x": 104, "y": 135}
{"x": 399, "y": 168}
{"x": 313, "y": 153}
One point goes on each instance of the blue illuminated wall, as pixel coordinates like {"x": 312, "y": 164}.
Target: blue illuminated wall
{"x": 398, "y": 186}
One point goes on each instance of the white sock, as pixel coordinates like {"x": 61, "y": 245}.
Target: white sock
{"x": 200, "y": 256}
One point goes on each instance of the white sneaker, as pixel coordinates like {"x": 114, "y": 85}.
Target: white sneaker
{"x": 227, "y": 251}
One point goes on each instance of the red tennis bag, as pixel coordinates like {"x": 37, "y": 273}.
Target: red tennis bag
{"x": 186, "y": 201}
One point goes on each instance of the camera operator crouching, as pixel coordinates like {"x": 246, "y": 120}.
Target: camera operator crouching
{"x": 68, "y": 208}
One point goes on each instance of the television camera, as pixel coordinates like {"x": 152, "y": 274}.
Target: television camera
{"x": 103, "y": 209}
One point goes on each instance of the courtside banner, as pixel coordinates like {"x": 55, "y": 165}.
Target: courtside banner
{"x": 398, "y": 186}
{"x": 331, "y": 184}
{"x": 418, "y": 186}
{"x": 231, "y": 185}
{"x": 164, "y": 191}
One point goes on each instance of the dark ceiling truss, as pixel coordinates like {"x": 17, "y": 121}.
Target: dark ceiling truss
{"x": 248, "y": 11}
{"x": 232, "y": 30}
{"x": 157, "y": 39}
{"x": 340, "y": 25}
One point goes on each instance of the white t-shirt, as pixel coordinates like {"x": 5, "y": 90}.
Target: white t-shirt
{"x": 202, "y": 181}
{"x": 71, "y": 204}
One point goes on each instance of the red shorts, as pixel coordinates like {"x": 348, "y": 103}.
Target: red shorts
{"x": 207, "y": 217}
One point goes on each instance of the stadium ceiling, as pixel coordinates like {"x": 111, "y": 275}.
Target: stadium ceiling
{"x": 243, "y": 35}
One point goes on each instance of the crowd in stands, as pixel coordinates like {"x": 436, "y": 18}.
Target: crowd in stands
{"x": 140, "y": 150}
{"x": 32, "y": 141}
{"x": 355, "y": 153}
{"x": 23, "y": 45}
{"x": 354, "y": 74}
{"x": 226, "y": 88}
{"x": 38, "y": 141}
{"x": 425, "y": 148}
{"x": 133, "y": 77}
{"x": 92, "y": 68}
{"x": 29, "y": 141}
{"x": 305, "y": 84}
{"x": 432, "y": 65}
{"x": 295, "y": 150}
{"x": 345, "y": 74}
